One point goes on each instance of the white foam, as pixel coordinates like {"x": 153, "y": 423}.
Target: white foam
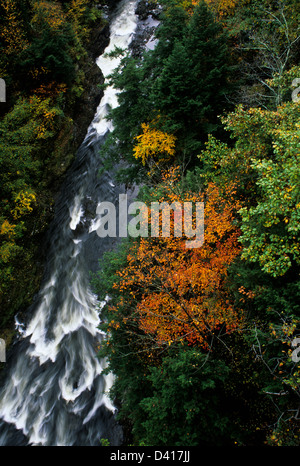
{"x": 76, "y": 213}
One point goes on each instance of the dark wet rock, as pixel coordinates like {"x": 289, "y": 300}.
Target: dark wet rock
{"x": 146, "y": 8}
{"x": 112, "y": 4}
{"x": 148, "y": 19}
{"x": 88, "y": 102}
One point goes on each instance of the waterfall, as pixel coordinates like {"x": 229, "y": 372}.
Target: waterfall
{"x": 54, "y": 392}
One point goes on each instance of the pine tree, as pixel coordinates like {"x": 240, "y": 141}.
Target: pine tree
{"x": 195, "y": 77}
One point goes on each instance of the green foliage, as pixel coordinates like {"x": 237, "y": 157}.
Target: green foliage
{"x": 25, "y": 133}
{"x": 185, "y": 407}
{"x": 174, "y": 20}
{"x": 104, "y": 442}
{"x": 264, "y": 163}
{"x": 191, "y": 86}
{"x": 52, "y": 52}
{"x": 266, "y": 37}
{"x": 181, "y": 84}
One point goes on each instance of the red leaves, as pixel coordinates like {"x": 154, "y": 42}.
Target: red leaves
{"x": 179, "y": 293}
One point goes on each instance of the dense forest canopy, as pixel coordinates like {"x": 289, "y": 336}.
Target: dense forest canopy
{"x": 202, "y": 340}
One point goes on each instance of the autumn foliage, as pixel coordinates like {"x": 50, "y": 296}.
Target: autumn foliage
{"x": 180, "y": 294}
{"x": 12, "y": 31}
{"x": 220, "y": 7}
{"x": 154, "y": 144}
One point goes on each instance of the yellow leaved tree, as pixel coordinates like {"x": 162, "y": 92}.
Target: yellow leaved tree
{"x": 12, "y": 30}
{"x": 154, "y": 145}
{"x": 48, "y": 12}
{"x": 23, "y": 204}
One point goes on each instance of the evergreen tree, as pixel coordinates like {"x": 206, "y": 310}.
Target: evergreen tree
{"x": 195, "y": 78}
{"x": 180, "y": 86}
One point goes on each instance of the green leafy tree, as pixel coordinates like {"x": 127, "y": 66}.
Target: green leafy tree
{"x": 185, "y": 408}
{"x": 271, "y": 227}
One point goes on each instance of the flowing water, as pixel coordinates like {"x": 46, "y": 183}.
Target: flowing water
{"x": 54, "y": 392}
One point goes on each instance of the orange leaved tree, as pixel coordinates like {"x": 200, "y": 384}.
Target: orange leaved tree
{"x": 176, "y": 293}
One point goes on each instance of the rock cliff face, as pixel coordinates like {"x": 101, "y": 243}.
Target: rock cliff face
{"x": 148, "y": 13}
{"x": 112, "y": 4}
{"x": 146, "y": 8}
{"x": 85, "y": 108}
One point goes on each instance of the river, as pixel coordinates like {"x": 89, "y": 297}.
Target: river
{"x": 54, "y": 392}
